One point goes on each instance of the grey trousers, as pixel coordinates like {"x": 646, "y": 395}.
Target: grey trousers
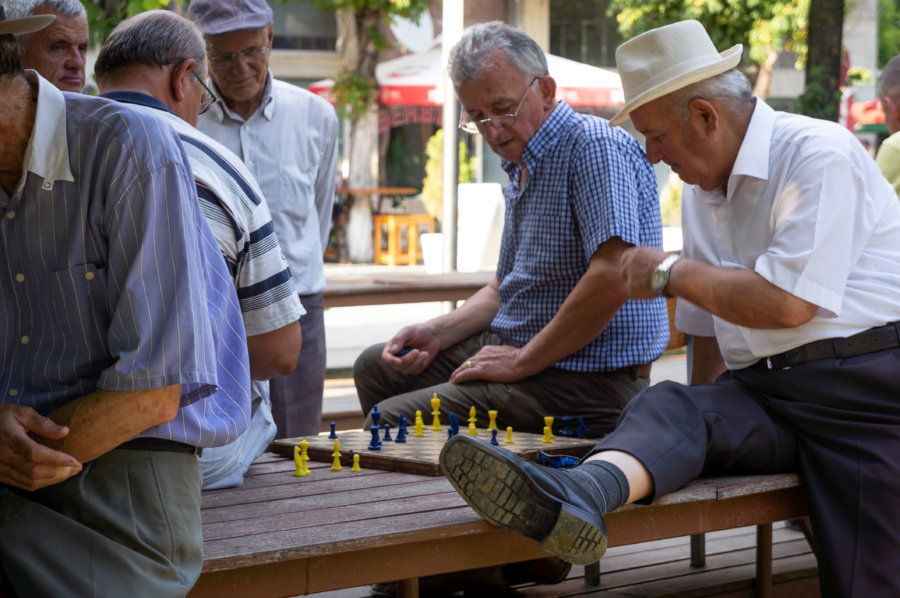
{"x": 128, "y": 524}
{"x": 297, "y": 397}
{"x": 596, "y": 397}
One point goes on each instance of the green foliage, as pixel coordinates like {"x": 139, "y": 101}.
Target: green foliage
{"x": 888, "y": 30}
{"x": 814, "y": 101}
{"x": 104, "y": 16}
{"x": 759, "y": 24}
{"x": 433, "y": 186}
{"x": 353, "y": 94}
{"x": 385, "y": 10}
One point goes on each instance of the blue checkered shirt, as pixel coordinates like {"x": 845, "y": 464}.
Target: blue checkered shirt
{"x": 586, "y": 182}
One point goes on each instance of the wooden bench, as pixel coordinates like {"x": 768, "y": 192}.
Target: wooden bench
{"x": 279, "y": 535}
{"x": 398, "y": 287}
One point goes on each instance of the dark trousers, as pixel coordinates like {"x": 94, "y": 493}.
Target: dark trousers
{"x": 836, "y": 422}
{"x": 297, "y": 397}
{"x": 596, "y": 397}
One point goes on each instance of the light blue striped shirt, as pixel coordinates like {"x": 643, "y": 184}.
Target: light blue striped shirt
{"x": 586, "y": 182}
{"x": 102, "y": 282}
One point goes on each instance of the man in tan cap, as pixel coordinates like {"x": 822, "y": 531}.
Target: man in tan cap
{"x": 788, "y": 282}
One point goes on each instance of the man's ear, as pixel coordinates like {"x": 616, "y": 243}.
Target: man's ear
{"x": 270, "y": 34}
{"x": 891, "y": 115}
{"x": 547, "y": 85}
{"x": 704, "y": 112}
{"x": 180, "y": 78}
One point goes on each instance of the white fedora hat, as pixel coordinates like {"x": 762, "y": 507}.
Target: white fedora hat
{"x": 23, "y": 25}
{"x": 663, "y": 60}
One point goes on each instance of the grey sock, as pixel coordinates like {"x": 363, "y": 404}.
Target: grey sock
{"x": 604, "y": 480}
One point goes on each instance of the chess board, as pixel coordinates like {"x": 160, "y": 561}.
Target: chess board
{"x": 419, "y": 455}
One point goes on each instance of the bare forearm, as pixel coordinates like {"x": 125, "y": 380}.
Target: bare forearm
{"x": 101, "y": 421}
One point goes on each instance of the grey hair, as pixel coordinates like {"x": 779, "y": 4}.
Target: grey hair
{"x": 731, "y": 87}
{"x": 18, "y": 9}
{"x": 889, "y": 81}
{"x": 10, "y": 63}
{"x": 480, "y": 41}
{"x": 149, "y": 38}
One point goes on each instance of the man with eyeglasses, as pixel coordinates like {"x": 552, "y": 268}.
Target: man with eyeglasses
{"x": 156, "y": 62}
{"x": 287, "y": 137}
{"x": 57, "y": 52}
{"x": 553, "y": 334}
{"x": 122, "y": 344}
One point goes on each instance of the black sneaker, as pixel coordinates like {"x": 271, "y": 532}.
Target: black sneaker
{"x": 539, "y": 502}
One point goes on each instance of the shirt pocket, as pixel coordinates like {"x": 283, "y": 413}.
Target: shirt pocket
{"x": 296, "y": 192}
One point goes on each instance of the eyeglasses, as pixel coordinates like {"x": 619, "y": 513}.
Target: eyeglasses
{"x": 504, "y": 120}
{"x": 251, "y": 55}
{"x": 209, "y": 97}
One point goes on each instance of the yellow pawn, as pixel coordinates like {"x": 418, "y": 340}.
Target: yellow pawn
{"x": 509, "y": 439}
{"x": 492, "y": 420}
{"x": 356, "y": 466}
{"x": 436, "y": 412}
{"x": 336, "y": 464}
{"x": 473, "y": 431}
{"x": 548, "y": 436}
{"x": 548, "y": 421}
{"x": 300, "y": 459}
{"x": 419, "y": 429}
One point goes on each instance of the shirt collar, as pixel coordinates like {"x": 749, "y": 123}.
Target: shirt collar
{"x": 753, "y": 156}
{"x": 220, "y": 111}
{"x": 47, "y": 154}
{"x": 136, "y": 97}
{"x": 543, "y": 139}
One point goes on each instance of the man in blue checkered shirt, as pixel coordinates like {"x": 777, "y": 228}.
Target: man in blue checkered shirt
{"x": 554, "y": 333}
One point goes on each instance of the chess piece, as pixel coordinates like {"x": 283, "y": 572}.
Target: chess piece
{"x": 473, "y": 431}
{"x": 566, "y": 429}
{"x": 419, "y": 429}
{"x": 387, "y": 434}
{"x": 473, "y": 416}
{"x": 303, "y": 457}
{"x": 332, "y": 435}
{"x": 548, "y": 436}
{"x": 492, "y": 419}
{"x": 401, "y": 430}
{"x": 375, "y": 444}
{"x": 356, "y": 466}
{"x": 336, "y": 463}
{"x": 509, "y": 439}
{"x": 298, "y": 462}
{"x": 454, "y": 425}
{"x": 436, "y": 412}
{"x": 376, "y": 415}
{"x": 548, "y": 421}
{"x": 494, "y": 437}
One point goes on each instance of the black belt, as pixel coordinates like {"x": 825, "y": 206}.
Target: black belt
{"x": 641, "y": 370}
{"x": 868, "y": 341}
{"x": 160, "y": 444}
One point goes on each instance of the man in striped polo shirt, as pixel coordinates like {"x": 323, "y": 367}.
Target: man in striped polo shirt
{"x": 156, "y": 62}
{"x": 121, "y": 342}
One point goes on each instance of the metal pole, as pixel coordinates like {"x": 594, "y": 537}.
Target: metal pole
{"x": 452, "y": 30}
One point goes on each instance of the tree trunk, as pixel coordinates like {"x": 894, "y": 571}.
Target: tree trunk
{"x": 363, "y": 170}
{"x": 823, "y": 65}
{"x": 764, "y": 78}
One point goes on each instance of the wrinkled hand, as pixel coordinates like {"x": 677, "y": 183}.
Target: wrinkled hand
{"x": 422, "y": 344}
{"x": 24, "y": 462}
{"x": 493, "y": 363}
{"x": 636, "y": 266}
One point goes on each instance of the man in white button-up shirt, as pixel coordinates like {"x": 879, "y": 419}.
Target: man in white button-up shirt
{"x": 287, "y": 137}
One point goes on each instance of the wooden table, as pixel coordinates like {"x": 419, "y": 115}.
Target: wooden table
{"x": 393, "y": 287}
{"x": 279, "y": 535}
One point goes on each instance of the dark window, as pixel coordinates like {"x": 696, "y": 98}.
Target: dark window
{"x": 580, "y": 30}
{"x": 301, "y": 26}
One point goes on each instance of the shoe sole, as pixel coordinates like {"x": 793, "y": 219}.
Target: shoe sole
{"x": 503, "y": 494}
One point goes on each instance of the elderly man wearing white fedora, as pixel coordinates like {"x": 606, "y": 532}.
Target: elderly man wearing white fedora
{"x": 788, "y": 281}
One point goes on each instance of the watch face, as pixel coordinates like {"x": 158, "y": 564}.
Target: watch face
{"x": 657, "y": 281}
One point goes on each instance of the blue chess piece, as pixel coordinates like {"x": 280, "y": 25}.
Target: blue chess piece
{"x": 454, "y": 425}
{"x": 387, "y": 433}
{"x": 565, "y": 430}
{"x": 494, "y": 437}
{"x": 376, "y": 415}
{"x": 401, "y": 435}
{"x": 375, "y": 444}
{"x": 332, "y": 435}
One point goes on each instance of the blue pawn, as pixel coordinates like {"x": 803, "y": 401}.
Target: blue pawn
{"x": 375, "y": 444}
{"x": 494, "y": 437}
{"x": 582, "y": 429}
{"x": 401, "y": 435}
{"x": 454, "y": 424}
{"x": 387, "y": 433}
{"x": 376, "y": 415}
{"x": 332, "y": 435}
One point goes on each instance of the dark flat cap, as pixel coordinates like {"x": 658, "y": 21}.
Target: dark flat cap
{"x": 217, "y": 17}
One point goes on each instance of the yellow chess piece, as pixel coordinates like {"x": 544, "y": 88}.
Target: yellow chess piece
{"x": 298, "y": 462}
{"x": 419, "y": 429}
{"x": 356, "y": 466}
{"x": 473, "y": 416}
{"x": 436, "y": 412}
{"x": 473, "y": 431}
{"x": 548, "y": 436}
{"x": 548, "y": 421}
{"x": 492, "y": 420}
{"x": 336, "y": 464}
{"x": 509, "y": 439}
{"x": 301, "y": 456}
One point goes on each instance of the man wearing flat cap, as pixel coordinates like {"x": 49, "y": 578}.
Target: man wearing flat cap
{"x": 287, "y": 137}
{"x": 788, "y": 282}
{"x": 121, "y": 340}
